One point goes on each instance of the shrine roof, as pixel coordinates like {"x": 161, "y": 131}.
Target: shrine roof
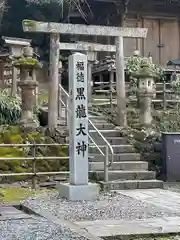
{"x": 174, "y": 62}
{"x": 17, "y": 41}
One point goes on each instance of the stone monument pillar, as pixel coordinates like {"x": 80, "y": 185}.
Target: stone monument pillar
{"x": 27, "y": 64}
{"x": 79, "y": 187}
{"x": 146, "y": 91}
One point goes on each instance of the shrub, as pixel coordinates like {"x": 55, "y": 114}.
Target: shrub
{"x": 133, "y": 64}
{"x": 10, "y": 108}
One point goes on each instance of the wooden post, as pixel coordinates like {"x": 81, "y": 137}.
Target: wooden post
{"x": 53, "y": 81}
{"x": 111, "y": 90}
{"x": 138, "y": 41}
{"x": 1, "y": 73}
{"x": 101, "y": 81}
{"x": 120, "y": 84}
{"x": 14, "y": 81}
{"x": 60, "y": 93}
{"x": 89, "y": 72}
{"x": 34, "y": 166}
{"x": 164, "y": 95}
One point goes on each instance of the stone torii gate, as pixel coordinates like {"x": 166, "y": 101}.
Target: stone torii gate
{"x": 55, "y": 29}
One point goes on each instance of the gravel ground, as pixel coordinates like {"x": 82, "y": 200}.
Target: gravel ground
{"x": 35, "y": 229}
{"x": 109, "y": 206}
{"x": 147, "y": 238}
{"x": 157, "y": 238}
{"x": 174, "y": 187}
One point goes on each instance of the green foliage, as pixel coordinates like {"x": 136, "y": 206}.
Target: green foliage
{"x": 16, "y": 194}
{"x": 169, "y": 121}
{"x": 176, "y": 83}
{"x": 10, "y": 108}
{"x": 16, "y": 135}
{"x": 133, "y": 65}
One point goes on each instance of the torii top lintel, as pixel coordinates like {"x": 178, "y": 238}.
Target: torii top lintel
{"x": 80, "y": 29}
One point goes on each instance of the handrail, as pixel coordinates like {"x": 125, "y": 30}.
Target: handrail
{"x": 92, "y": 140}
{"x": 105, "y": 140}
{"x": 100, "y": 134}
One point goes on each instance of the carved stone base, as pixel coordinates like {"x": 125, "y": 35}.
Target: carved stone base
{"x": 29, "y": 123}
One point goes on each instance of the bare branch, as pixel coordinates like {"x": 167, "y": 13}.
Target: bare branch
{"x": 2, "y": 9}
{"x": 72, "y": 4}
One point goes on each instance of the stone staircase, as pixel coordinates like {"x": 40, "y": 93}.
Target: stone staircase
{"x": 128, "y": 170}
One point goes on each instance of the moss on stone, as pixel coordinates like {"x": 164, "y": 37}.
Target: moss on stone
{"x": 30, "y": 23}
{"x": 12, "y": 194}
{"x": 27, "y": 61}
{"x": 17, "y": 135}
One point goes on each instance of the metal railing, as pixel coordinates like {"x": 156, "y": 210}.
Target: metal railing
{"x": 107, "y": 146}
{"x": 33, "y": 147}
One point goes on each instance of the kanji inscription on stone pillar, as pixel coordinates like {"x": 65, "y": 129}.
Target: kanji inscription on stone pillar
{"x": 78, "y": 119}
{"x": 79, "y": 188}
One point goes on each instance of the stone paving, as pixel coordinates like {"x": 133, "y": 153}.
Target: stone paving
{"x": 134, "y": 212}
{"x": 117, "y": 214}
{"x": 8, "y": 212}
{"x": 158, "y": 197}
{"x": 106, "y": 228}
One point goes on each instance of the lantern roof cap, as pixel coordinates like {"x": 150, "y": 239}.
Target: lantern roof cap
{"x": 145, "y": 70}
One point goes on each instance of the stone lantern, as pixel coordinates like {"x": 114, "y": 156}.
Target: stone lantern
{"x": 27, "y": 65}
{"x": 145, "y": 91}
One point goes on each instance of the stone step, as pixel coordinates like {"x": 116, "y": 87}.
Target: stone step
{"x": 101, "y": 126}
{"x": 124, "y": 175}
{"x": 117, "y": 140}
{"x": 131, "y": 184}
{"x": 99, "y": 166}
{"x": 98, "y": 119}
{"x": 111, "y": 140}
{"x": 121, "y": 157}
{"x": 107, "y": 133}
{"x": 116, "y": 148}
{"x": 93, "y": 116}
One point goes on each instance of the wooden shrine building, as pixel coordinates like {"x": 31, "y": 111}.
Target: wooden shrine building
{"x": 161, "y": 17}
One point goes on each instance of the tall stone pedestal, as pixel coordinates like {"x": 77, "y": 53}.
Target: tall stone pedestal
{"x": 27, "y": 117}
{"x": 145, "y": 99}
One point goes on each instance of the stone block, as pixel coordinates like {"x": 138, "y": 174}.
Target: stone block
{"x": 150, "y": 184}
{"x": 79, "y": 192}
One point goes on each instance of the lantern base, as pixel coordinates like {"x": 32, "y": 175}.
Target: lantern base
{"x": 29, "y": 123}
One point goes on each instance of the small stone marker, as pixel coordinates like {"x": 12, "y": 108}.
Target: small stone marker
{"x": 79, "y": 188}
